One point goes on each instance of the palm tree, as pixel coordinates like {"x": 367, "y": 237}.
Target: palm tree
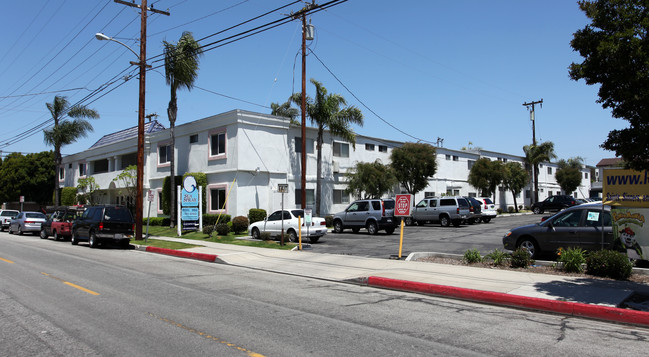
{"x": 181, "y": 70}
{"x": 536, "y": 154}
{"x": 285, "y": 110}
{"x": 329, "y": 111}
{"x": 65, "y": 131}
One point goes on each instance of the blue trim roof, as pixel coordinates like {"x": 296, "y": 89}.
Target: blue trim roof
{"x": 149, "y": 127}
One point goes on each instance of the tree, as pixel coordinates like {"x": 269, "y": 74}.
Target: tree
{"x": 370, "y": 180}
{"x": 181, "y": 70}
{"x": 568, "y": 174}
{"x": 65, "y": 131}
{"x": 535, "y": 155}
{"x": 89, "y": 190}
{"x": 486, "y": 175}
{"x": 614, "y": 47}
{"x": 329, "y": 111}
{"x": 285, "y": 110}
{"x": 413, "y": 164}
{"x": 127, "y": 181}
{"x": 515, "y": 178}
{"x": 30, "y": 176}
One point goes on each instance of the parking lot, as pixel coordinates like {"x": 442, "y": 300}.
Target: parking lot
{"x": 428, "y": 238}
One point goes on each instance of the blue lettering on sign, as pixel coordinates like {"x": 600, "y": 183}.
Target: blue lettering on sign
{"x": 189, "y": 213}
{"x": 189, "y": 199}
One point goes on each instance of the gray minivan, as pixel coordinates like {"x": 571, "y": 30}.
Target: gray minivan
{"x": 445, "y": 210}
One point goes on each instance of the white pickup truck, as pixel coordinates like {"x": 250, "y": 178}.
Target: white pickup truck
{"x": 5, "y": 218}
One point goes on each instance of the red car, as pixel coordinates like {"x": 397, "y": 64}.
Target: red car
{"x": 59, "y": 224}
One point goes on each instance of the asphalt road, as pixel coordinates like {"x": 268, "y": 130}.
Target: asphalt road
{"x": 59, "y": 299}
{"x": 428, "y": 238}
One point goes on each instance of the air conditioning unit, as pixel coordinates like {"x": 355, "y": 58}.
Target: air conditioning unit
{"x": 336, "y": 167}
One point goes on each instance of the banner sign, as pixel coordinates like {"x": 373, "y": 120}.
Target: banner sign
{"x": 630, "y": 228}
{"x": 628, "y": 188}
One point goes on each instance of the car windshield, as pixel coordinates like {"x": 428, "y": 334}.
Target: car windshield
{"x": 488, "y": 201}
{"x": 298, "y": 213}
{"x": 117, "y": 214}
{"x": 35, "y": 215}
{"x": 388, "y": 204}
{"x": 9, "y": 213}
{"x": 462, "y": 202}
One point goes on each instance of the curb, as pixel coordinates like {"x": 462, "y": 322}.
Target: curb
{"x": 183, "y": 254}
{"x": 598, "y": 312}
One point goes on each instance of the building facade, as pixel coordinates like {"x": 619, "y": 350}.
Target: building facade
{"x": 246, "y": 155}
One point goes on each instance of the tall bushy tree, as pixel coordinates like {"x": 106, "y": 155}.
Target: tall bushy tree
{"x": 65, "y": 131}
{"x": 515, "y": 179}
{"x": 615, "y": 49}
{"x": 535, "y": 155}
{"x": 568, "y": 174}
{"x": 28, "y": 175}
{"x": 370, "y": 180}
{"x": 181, "y": 70}
{"x": 486, "y": 175}
{"x": 329, "y": 111}
{"x": 413, "y": 164}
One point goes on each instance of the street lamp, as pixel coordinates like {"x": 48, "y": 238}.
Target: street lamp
{"x": 140, "y": 129}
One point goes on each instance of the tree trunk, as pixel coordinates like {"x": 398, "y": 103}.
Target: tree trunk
{"x": 318, "y": 188}
{"x": 515, "y": 204}
{"x": 172, "y": 111}
{"x": 57, "y": 165}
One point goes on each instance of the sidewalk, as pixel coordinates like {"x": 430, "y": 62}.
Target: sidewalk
{"x": 586, "y": 297}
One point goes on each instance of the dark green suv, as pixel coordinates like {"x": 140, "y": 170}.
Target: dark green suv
{"x": 99, "y": 224}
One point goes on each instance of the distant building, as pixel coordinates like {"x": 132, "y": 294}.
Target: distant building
{"x": 611, "y": 163}
{"x": 248, "y": 154}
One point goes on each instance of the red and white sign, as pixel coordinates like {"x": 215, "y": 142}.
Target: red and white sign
{"x": 402, "y": 205}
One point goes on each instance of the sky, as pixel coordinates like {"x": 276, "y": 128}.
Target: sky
{"x": 458, "y": 71}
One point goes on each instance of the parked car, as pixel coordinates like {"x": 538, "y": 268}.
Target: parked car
{"x": 59, "y": 224}
{"x": 27, "y": 222}
{"x": 5, "y": 217}
{"x": 488, "y": 209}
{"x": 577, "y": 226}
{"x": 445, "y": 210}
{"x": 554, "y": 203}
{"x": 475, "y": 210}
{"x": 372, "y": 214}
{"x": 273, "y": 225}
{"x": 100, "y": 224}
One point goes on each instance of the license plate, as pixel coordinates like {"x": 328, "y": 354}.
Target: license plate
{"x": 119, "y": 235}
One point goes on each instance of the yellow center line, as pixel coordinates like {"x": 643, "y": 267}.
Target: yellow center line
{"x": 203, "y": 334}
{"x": 6, "y": 260}
{"x": 72, "y": 285}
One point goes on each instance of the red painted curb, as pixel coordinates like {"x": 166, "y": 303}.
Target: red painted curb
{"x": 561, "y": 307}
{"x": 182, "y": 254}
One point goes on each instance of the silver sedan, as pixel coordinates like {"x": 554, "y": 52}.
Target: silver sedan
{"x": 27, "y": 222}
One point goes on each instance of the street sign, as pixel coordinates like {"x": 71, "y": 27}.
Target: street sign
{"x": 150, "y": 196}
{"x": 402, "y": 205}
{"x": 307, "y": 215}
{"x": 282, "y": 188}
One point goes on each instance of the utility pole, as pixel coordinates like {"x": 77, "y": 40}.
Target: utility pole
{"x": 140, "y": 123}
{"x": 535, "y": 170}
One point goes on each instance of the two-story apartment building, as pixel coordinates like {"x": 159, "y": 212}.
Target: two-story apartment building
{"x": 246, "y": 155}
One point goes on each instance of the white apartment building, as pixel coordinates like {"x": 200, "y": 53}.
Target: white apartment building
{"x": 246, "y": 155}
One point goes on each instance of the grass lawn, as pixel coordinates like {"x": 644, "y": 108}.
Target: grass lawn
{"x": 200, "y": 237}
{"x": 164, "y": 244}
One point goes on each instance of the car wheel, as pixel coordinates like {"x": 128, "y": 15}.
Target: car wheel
{"x": 10, "y": 231}
{"x": 372, "y": 229}
{"x": 292, "y": 236}
{"x": 338, "y": 226}
{"x": 20, "y": 231}
{"x": 389, "y": 230}
{"x": 74, "y": 240}
{"x": 530, "y": 245}
{"x": 43, "y": 234}
{"x": 486, "y": 220}
{"x": 356, "y": 230}
{"x": 537, "y": 210}
{"x": 409, "y": 221}
{"x": 92, "y": 240}
{"x": 444, "y": 221}
{"x": 314, "y": 239}
{"x": 56, "y": 235}
{"x": 255, "y": 233}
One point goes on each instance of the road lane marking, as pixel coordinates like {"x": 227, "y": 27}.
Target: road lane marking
{"x": 72, "y": 284}
{"x": 208, "y": 336}
{"x": 7, "y": 260}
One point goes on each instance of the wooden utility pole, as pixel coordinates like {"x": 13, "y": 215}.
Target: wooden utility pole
{"x": 535, "y": 173}
{"x": 139, "y": 199}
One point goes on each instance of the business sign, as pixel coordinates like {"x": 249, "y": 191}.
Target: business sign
{"x": 189, "y": 214}
{"x": 402, "y": 205}
{"x": 629, "y": 226}
{"x": 626, "y": 188}
{"x": 189, "y": 200}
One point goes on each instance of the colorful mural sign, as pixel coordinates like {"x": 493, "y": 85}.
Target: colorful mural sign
{"x": 630, "y": 228}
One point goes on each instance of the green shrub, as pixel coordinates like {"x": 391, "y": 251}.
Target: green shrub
{"x": 499, "y": 210}
{"x": 571, "y": 259}
{"x": 158, "y": 221}
{"x": 510, "y": 209}
{"x": 222, "y": 229}
{"x": 208, "y": 230}
{"x": 265, "y": 236}
{"x": 521, "y": 259}
{"x": 498, "y": 257}
{"x": 609, "y": 263}
{"x": 167, "y": 192}
{"x": 68, "y": 196}
{"x": 239, "y": 224}
{"x": 210, "y": 219}
{"x": 256, "y": 215}
{"x": 472, "y": 256}
{"x": 329, "y": 220}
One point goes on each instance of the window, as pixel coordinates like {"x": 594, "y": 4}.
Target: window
{"x": 217, "y": 198}
{"x": 159, "y": 201}
{"x": 69, "y": 165}
{"x": 448, "y": 157}
{"x": 128, "y": 160}
{"x": 549, "y": 170}
{"x": 341, "y": 149}
{"x": 470, "y": 164}
{"x": 61, "y": 173}
{"x": 429, "y": 194}
{"x": 164, "y": 154}
{"x": 100, "y": 166}
{"x": 383, "y": 148}
{"x": 340, "y": 196}
{"x": 309, "y": 145}
{"x": 82, "y": 169}
{"x": 193, "y": 138}
{"x": 586, "y": 175}
{"x": 456, "y": 158}
{"x": 310, "y": 197}
{"x": 369, "y": 147}
{"x": 217, "y": 144}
